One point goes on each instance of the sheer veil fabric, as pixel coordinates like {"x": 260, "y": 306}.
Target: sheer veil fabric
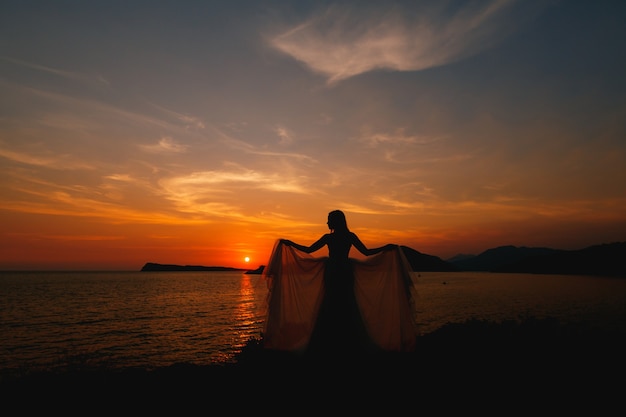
{"x": 383, "y": 288}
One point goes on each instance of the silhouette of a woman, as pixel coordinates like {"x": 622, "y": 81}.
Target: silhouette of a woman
{"x": 339, "y": 324}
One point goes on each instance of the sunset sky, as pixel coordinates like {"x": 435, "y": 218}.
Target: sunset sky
{"x": 199, "y": 132}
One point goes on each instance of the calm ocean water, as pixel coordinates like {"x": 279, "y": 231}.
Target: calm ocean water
{"x": 51, "y": 320}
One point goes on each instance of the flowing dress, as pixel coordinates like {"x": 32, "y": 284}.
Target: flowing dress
{"x": 322, "y": 303}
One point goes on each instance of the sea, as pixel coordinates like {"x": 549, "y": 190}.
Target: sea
{"x": 91, "y": 320}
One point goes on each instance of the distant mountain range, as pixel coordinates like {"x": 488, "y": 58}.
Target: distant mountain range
{"x": 606, "y": 259}
{"x": 422, "y": 262}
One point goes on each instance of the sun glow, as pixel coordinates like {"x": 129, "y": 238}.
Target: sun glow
{"x": 246, "y": 259}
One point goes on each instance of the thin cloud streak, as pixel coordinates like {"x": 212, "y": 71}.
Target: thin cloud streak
{"x": 165, "y": 145}
{"x": 54, "y": 162}
{"x": 70, "y": 75}
{"x": 92, "y": 114}
{"x": 229, "y": 182}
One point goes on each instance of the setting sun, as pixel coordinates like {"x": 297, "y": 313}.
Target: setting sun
{"x": 246, "y": 259}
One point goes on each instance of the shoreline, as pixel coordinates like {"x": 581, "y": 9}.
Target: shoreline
{"x": 457, "y": 356}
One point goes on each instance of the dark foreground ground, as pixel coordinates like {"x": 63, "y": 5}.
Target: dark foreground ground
{"x": 538, "y": 366}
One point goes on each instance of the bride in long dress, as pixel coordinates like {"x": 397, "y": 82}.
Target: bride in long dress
{"x": 336, "y": 303}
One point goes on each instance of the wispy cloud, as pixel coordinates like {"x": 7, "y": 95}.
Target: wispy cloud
{"x": 59, "y": 162}
{"x": 284, "y": 135}
{"x": 65, "y": 204}
{"x": 240, "y": 145}
{"x": 73, "y": 112}
{"x": 219, "y": 192}
{"x": 166, "y": 145}
{"x": 398, "y": 137}
{"x": 228, "y": 182}
{"x": 70, "y": 75}
{"x": 81, "y": 237}
{"x": 187, "y": 120}
{"x": 342, "y": 42}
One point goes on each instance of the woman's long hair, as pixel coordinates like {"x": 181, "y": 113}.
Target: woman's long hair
{"x": 337, "y": 221}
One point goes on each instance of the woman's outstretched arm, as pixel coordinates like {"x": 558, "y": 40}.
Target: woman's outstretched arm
{"x": 307, "y": 249}
{"x": 373, "y": 251}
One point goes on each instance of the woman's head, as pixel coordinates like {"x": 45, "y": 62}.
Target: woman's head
{"x": 337, "y": 221}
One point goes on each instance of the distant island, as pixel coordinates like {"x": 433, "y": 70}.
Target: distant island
{"x": 606, "y": 259}
{"x": 151, "y": 266}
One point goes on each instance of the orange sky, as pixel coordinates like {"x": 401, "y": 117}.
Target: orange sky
{"x": 201, "y": 134}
